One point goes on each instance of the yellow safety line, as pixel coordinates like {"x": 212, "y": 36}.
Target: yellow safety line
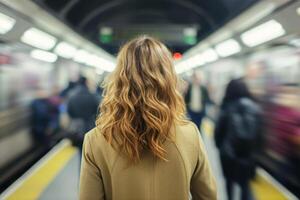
{"x": 208, "y": 127}
{"x": 264, "y": 190}
{"x": 36, "y": 183}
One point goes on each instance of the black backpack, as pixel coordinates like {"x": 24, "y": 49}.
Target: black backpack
{"x": 243, "y": 128}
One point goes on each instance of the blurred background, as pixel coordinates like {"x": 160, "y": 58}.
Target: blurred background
{"x": 56, "y": 52}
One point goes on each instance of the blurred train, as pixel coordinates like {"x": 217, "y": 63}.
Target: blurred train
{"x": 28, "y": 71}
{"x": 22, "y": 80}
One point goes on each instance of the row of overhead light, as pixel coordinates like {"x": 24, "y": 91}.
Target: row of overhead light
{"x": 46, "y": 42}
{"x": 251, "y": 38}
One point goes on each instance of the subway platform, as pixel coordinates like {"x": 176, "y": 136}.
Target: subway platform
{"x": 56, "y": 176}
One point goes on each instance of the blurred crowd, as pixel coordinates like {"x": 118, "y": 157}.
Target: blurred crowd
{"x": 257, "y": 123}
{"x": 237, "y": 130}
{"x": 251, "y": 127}
{"x": 67, "y": 113}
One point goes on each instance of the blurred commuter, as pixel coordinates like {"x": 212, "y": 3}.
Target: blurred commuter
{"x": 66, "y": 91}
{"x": 40, "y": 118}
{"x": 196, "y": 99}
{"x": 54, "y": 112}
{"x": 64, "y": 119}
{"x": 82, "y": 108}
{"x": 236, "y": 134}
{"x": 142, "y": 147}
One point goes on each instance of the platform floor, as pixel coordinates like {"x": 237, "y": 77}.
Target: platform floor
{"x": 56, "y": 176}
{"x": 65, "y": 183}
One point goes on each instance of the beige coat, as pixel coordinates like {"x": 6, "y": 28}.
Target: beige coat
{"x": 105, "y": 173}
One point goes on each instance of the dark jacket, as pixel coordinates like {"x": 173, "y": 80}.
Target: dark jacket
{"x": 204, "y": 94}
{"x": 238, "y": 161}
{"x": 40, "y": 118}
{"x": 82, "y": 104}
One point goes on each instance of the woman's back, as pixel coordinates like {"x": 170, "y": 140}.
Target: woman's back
{"x": 107, "y": 175}
{"x": 143, "y": 147}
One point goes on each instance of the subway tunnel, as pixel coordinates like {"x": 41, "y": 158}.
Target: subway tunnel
{"x": 49, "y": 48}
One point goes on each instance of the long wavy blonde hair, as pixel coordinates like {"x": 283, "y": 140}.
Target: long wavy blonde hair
{"x": 141, "y": 102}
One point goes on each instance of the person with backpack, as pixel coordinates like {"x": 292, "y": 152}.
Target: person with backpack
{"x": 236, "y": 135}
{"x": 82, "y": 106}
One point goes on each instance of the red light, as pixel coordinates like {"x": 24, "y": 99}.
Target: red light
{"x": 177, "y": 56}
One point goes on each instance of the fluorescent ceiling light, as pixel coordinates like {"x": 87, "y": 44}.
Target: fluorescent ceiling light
{"x": 81, "y": 56}
{"x": 228, "y": 47}
{"x": 298, "y": 11}
{"x": 107, "y": 65}
{"x": 195, "y": 61}
{"x": 93, "y": 60}
{"x": 208, "y": 55}
{"x": 262, "y": 33}
{"x": 181, "y": 67}
{"x": 100, "y": 63}
{"x": 65, "y": 50}
{"x": 189, "y": 64}
{"x": 38, "y": 38}
{"x": 6, "y": 23}
{"x": 43, "y": 55}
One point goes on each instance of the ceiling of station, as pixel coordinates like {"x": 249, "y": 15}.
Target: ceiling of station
{"x": 179, "y": 23}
